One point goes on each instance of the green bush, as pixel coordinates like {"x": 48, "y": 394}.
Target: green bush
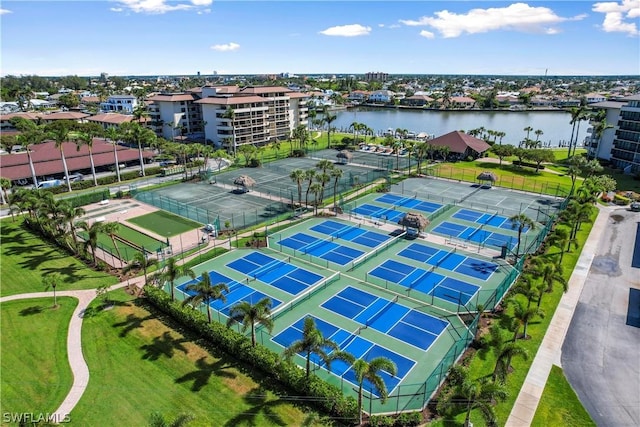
{"x": 408, "y": 419}
{"x": 381, "y": 421}
{"x": 328, "y": 397}
{"x": 621, "y": 200}
{"x": 298, "y": 153}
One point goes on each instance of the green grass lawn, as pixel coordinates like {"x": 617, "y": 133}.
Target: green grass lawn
{"x": 482, "y": 363}
{"x": 25, "y": 258}
{"x": 164, "y": 223}
{"x": 560, "y": 405}
{"x": 140, "y": 239}
{"x": 140, "y": 365}
{"x": 105, "y": 243}
{"x": 36, "y": 375}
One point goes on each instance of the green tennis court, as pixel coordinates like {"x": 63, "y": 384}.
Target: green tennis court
{"x": 164, "y": 223}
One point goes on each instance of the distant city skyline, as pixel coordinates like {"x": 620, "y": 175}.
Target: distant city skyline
{"x": 184, "y": 37}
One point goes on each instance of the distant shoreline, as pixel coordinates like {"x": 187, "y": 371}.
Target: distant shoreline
{"x": 484, "y": 110}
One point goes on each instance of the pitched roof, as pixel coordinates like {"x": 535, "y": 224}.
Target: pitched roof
{"x": 28, "y": 116}
{"x": 235, "y": 100}
{"x": 295, "y": 95}
{"x": 265, "y": 89}
{"x": 111, "y": 118}
{"x": 65, "y": 115}
{"x": 173, "y": 97}
{"x": 459, "y": 141}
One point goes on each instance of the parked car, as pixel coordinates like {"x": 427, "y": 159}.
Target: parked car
{"x": 74, "y": 177}
{"x": 50, "y": 183}
{"x": 635, "y": 207}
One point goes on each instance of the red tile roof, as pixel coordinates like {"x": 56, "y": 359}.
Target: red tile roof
{"x": 47, "y": 160}
{"x": 265, "y": 89}
{"x": 173, "y": 97}
{"x": 28, "y": 116}
{"x": 296, "y": 95}
{"x": 65, "y": 115}
{"x": 459, "y": 141}
{"x": 235, "y": 100}
{"x": 110, "y": 118}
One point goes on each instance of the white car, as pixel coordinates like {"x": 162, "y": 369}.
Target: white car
{"x": 75, "y": 177}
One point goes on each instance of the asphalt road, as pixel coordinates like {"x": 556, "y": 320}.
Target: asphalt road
{"x": 601, "y": 352}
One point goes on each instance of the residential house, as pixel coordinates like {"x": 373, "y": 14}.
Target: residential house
{"x": 381, "y": 96}
{"x": 462, "y": 102}
{"x": 119, "y": 104}
{"x": 461, "y": 145}
{"x": 417, "y": 101}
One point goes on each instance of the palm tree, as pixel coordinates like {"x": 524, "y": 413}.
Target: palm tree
{"x": 312, "y": 341}
{"x": 599, "y": 127}
{"x": 92, "y": 240}
{"x": 30, "y": 134}
{"x": 336, "y": 174}
{"x": 561, "y": 239}
{"x": 309, "y": 175}
{"x": 206, "y": 293}
{"x": 323, "y": 179}
{"x": 139, "y": 113}
{"x": 370, "y": 371}
{"x": 472, "y": 394}
{"x": 249, "y": 314}
{"x": 173, "y": 271}
{"x": 111, "y": 230}
{"x": 86, "y": 138}
{"x": 316, "y": 189}
{"x": 70, "y": 214}
{"x": 52, "y": 280}
{"x": 113, "y": 134}
{"x": 538, "y": 133}
{"x": 140, "y": 260}
{"x": 59, "y": 131}
{"x": 521, "y": 221}
{"x": 505, "y": 352}
{"x": 135, "y": 134}
{"x": 523, "y": 315}
{"x": 328, "y": 119}
{"x": 550, "y": 273}
{"x": 577, "y": 115}
{"x": 5, "y": 185}
{"x": 528, "y": 130}
{"x": 297, "y": 176}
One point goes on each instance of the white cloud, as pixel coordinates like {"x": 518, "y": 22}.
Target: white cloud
{"x": 427, "y": 34}
{"x": 515, "y": 17}
{"x": 381, "y": 25}
{"x": 617, "y": 16}
{"x": 204, "y": 11}
{"x": 116, "y": 9}
{"x": 226, "y": 47}
{"x": 159, "y": 6}
{"x": 4, "y": 11}
{"x": 351, "y": 30}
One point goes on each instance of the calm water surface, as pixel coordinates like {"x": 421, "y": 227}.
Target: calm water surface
{"x": 555, "y": 125}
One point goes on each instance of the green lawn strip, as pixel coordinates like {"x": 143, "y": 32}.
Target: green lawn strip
{"x": 25, "y": 259}
{"x": 140, "y": 365}
{"x": 509, "y": 176}
{"x": 36, "y": 375}
{"x": 560, "y": 405}
{"x": 105, "y": 243}
{"x": 140, "y": 239}
{"x": 164, "y": 223}
{"x": 483, "y": 362}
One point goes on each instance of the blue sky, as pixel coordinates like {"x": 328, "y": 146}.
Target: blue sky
{"x": 151, "y": 37}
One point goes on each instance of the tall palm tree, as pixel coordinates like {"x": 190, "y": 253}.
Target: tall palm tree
{"x": 297, "y": 176}
{"x": 561, "y": 239}
{"x": 133, "y": 133}
{"x": 520, "y": 222}
{"x": 70, "y": 215}
{"x": 92, "y": 240}
{"x": 472, "y": 394}
{"x": 5, "y": 185}
{"x": 309, "y": 175}
{"x": 140, "y": 260}
{"x": 538, "y": 133}
{"x": 312, "y": 341}
{"x": 550, "y": 272}
{"x": 328, "y": 119}
{"x": 30, "y": 134}
{"x": 528, "y": 130}
{"x": 323, "y": 179}
{"x": 505, "y": 352}
{"x": 113, "y": 135}
{"x": 370, "y": 371}
{"x": 51, "y": 281}
{"x": 173, "y": 271}
{"x": 577, "y": 114}
{"x": 523, "y": 315}
{"x": 316, "y": 189}
{"x": 249, "y": 314}
{"x": 599, "y": 127}
{"x": 206, "y": 293}
{"x": 59, "y": 131}
{"x": 86, "y": 138}
{"x": 140, "y": 113}
{"x": 111, "y": 230}
{"x": 336, "y": 174}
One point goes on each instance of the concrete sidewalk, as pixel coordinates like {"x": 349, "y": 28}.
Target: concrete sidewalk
{"x": 550, "y": 350}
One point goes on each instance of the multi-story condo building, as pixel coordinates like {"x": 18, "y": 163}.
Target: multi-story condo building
{"x": 621, "y": 143}
{"x": 230, "y": 116}
{"x": 376, "y": 77}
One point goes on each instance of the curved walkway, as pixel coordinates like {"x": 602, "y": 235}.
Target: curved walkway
{"x": 78, "y": 365}
{"x": 550, "y": 349}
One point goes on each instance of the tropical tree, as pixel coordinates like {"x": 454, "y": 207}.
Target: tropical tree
{"x": 140, "y": 260}
{"x": 92, "y": 236}
{"x": 173, "y": 271}
{"x": 316, "y": 189}
{"x": 528, "y": 130}
{"x": 59, "y": 131}
{"x": 113, "y": 134}
{"x": 541, "y": 155}
{"x": 369, "y": 371}
{"x": 5, "y": 185}
{"x": 205, "y": 292}
{"x": 249, "y": 314}
{"x": 577, "y": 115}
{"x": 84, "y": 136}
{"x": 575, "y": 168}
{"x": 503, "y": 151}
{"x": 312, "y": 341}
{"x": 599, "y": 127}
{"x": 111, "y": 229}
{"x": 328, "y": 119}
{"x": 297, "y": 176}
{"x": 549, "y": 272}
{"x": 309, "y": 175}
{"x": 520, "y": 222}
{"x": 523, "y": 315}
{"x": 471, "y": 394}
{"x": 140, "y": 113}
{"x": 70, "y": 214}
{"x": 323, "y": 179}
{"x": 51, "y": 281}
{"x": 135, "y": 134}
{"x": 336, "y": 174}
{"x": 505, "y": 351}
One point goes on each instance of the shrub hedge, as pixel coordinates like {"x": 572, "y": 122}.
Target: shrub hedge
{"x": 327, "y": 397}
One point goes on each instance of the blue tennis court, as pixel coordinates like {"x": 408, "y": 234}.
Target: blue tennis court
{"x": 493, "y": 220}
{"x": 409, "y": 202}
{"x": 237, "y": 292}
{"x": 325, "y": 249}
{"x": 274, "y": 272}
{"x": 387, "y": 316}
{"x": 350, "y": 233}
{"x": 378, "y": 212}
{"x": 426, "y": 281}
{"x": 359, "y": 347}
{"x": 475, "y": 235}
{"x": 462, "y": 264}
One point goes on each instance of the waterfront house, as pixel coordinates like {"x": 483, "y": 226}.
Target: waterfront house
{"x": 461, "y": 145}
{"x": 381, "y": 97}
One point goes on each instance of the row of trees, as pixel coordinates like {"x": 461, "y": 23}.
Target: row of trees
{"x": 316, "y": 180}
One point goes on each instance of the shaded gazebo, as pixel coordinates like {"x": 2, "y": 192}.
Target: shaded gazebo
{"x": 344, "y": 156}
{"x": 487, "y": 177}
{"x": 244, "y": 182}
{"x": 414, "y": 220}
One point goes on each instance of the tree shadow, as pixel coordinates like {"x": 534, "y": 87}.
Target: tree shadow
{"x": 130, "y": 323}
{"x": 200, "y": 377}
{"x": 260, "y": 404}
{"x": 164, "y": 345}
{"x": 34, "y": 261}
{"x": 96, "y": 309}
{"x": 30, "y": 311}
